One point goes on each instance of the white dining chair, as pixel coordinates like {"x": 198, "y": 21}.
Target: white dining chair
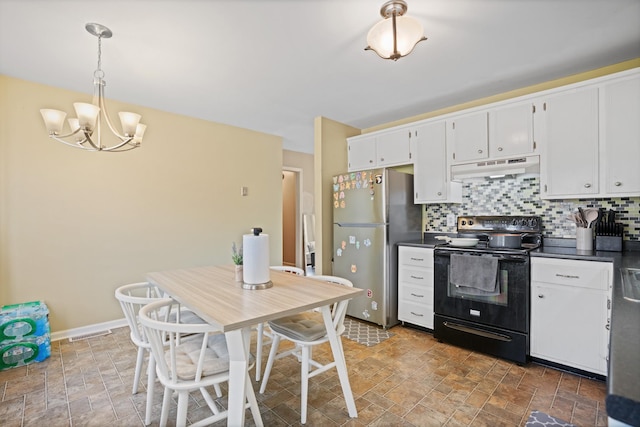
{"x": 263, "y": 332}
{"x": 306, "y": 330}
{"x": 189, "y": 357}
{"x": 132, "y": 298}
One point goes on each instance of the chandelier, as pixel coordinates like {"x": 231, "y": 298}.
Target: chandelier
{"x": 396, "y": 37}
{"x": 85, "y": 130}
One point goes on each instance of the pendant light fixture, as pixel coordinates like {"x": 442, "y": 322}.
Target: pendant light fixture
{"x": 85, "y": 130}
{"x": 397, "y": 34}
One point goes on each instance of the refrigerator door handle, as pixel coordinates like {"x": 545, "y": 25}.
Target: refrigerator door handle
{"x": 350, "y": 224}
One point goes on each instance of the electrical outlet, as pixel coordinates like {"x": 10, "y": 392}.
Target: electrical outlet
{"x": 451, "y": 220}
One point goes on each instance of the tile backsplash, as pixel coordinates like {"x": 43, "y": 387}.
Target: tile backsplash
{"x": 521, "y": 196}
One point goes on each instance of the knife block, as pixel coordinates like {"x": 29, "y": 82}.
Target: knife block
{"x": 609, "y": 243}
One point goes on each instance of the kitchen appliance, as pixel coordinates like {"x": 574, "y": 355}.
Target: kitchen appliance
{"x": 372, "y": 211}
{"x": 481, "y": 293}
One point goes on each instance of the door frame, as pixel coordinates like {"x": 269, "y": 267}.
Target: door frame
{"x": 300, "y": 261}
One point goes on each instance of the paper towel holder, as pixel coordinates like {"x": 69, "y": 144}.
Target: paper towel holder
{"x": 256, "y": 286}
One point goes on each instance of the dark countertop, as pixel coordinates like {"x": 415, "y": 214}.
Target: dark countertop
{"x": 623, "y": 380}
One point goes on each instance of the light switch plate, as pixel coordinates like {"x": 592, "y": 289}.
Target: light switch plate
{"x": 244, "y": 191}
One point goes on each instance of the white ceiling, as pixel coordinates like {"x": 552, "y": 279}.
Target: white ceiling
{"x": 275, "y": 65}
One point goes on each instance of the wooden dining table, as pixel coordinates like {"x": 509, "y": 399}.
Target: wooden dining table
{"x": 214, "y": 295}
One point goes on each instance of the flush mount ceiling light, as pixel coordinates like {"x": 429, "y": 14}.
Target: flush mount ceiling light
{"x": 396, "y": 37}
{"x": 85, "y": 130}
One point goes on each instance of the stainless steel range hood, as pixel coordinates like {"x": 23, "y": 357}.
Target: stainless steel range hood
{"x": 496, "y": 168}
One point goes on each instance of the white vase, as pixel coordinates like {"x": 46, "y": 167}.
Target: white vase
{"x": 238, "y": 273}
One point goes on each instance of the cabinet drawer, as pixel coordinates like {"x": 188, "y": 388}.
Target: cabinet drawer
{"x": 416, "y": 294}
{"x": 416, "y": 314}
{"x": 584, "y": 274}
{"x": 415, "y": 257}
{"x": 421, "y": 277}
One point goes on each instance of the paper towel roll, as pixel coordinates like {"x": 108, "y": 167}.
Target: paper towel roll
{"x": 255, "y": 251}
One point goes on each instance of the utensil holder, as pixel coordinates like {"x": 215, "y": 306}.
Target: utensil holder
{"x": 609, "y": 243}
{"x": 584, "y": 239}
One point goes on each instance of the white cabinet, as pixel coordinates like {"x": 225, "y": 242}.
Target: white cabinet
{"x": 394, "y": 148}
{"x": 361, "y": 152}
{"x": 431, "y": 182}
{"x": 469, "y": 137}
{"x": 570, "y": 312}
{"x": 511, "y": 130}
{"x": 503, "y": 131}
{"x": 415, "y": 286}
{"x": 380, "y": 149}
{"x": 569, "y": 160}
{"x": 620, "y": 137}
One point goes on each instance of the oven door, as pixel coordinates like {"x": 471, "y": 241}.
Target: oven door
{"x": 507, "y": 307}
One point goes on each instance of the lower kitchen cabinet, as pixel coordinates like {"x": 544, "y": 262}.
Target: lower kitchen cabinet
{"x": 571, "y": 312}
{"x": 415, "y": 286}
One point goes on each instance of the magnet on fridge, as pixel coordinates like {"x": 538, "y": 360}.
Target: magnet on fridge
{"x": 342, "y": 194}
{"x": 358, "y": 245}
{"x": 353, "y": 175}
{"x": 354, "y": 268}
{"x": 343, "y": 245}
{"x": 347, "y": 185}
{"x": 374, "y": 305}
{"x": 343, "y": 204}
{"x": 336, "y": 204}
{"x": 335, "y": 179}
{"x": 378, "y": 179}
{"x": 339, "y": 252}
{"x": 358, "y": 175}
{"x": 369, "y": 293}
{"x": 358, "y": 184}
{"x": 352, "y": 239}
{"x": 340, "y": 179}
{"x": 335, "y": 196}
{"x": 367, "y": 242}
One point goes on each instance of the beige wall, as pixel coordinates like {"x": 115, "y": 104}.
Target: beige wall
{"x": 330, "y": 152}
{"x": 75, "y": 224}
{"x": 303, "y": 161}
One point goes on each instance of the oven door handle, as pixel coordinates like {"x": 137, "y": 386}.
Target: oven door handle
{"x": 470, "y": 330}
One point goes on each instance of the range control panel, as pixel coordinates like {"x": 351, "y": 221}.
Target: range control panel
{"x": 497, "y": 224}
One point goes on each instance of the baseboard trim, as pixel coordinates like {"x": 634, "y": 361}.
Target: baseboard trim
{"x": 89, "y": 329}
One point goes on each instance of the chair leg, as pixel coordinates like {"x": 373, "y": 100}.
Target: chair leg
{"x": 136, "y": 377}
{"x": 183, "y": 403}
{"x": 166, "y": 401}
{"x": 218, "y": 390}
{"x": 275, "y": 343}
{"x": 304, "y": 384}
{"x": 259, "y": 338}
{"x": 151, "y": 379}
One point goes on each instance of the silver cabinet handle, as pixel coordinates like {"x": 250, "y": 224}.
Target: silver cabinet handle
{"x": 567, "y": 276}
{"x": 417, "y": 259}
{"x": 416, "y": 295}
{"x": 587, "y": 185}
{"x": 382, "y": 159}
{"x": 439, "y": 193}
{"x": 540, "y": 296}
{"x": 416, "y": 314}
{"x": 417, "y": 277}
{"x": 617, "y": 184}
{"x": 499, "y": 148}
{"x": 479, "y": 151}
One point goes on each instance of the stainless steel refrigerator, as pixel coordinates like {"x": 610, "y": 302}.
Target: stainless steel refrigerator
{"x": 372, "y": 211}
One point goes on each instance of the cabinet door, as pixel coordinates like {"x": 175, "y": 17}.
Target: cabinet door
{"x": 470, "y": 140}
{"x": 568, "y": 326}
{"x": 393, "y": 148}
{"x": 569, "y": 163}
{"x": 361, "y": 152}
{"x": 511, "y": 130}
{"x": 620, "y": 131}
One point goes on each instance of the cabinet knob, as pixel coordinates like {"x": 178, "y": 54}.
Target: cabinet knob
{"x": 479, "y": 151}
{"x": 439, "y": 193}
{"x": 499, "y": 148}
{"x": 617, "y": 184}
{"x": 370, "y": 161}
{"x": 587, "y": 185}
{"x": 382, "y": 159}
{"x": 540, "y": 296}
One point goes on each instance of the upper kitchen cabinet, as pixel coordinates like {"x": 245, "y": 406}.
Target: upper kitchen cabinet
{"x": 569, "y": 158}
{"x": 498, "y": 132}
{"x": 469, "y": 137}
{"x": 511, "y": 130}
{"x": 380, "y": 149}
{"x": 361, "y": 152}
{"x": 431, "y": 182}
{"x": 620, "y": 136}
{"x": 591, "y": 139}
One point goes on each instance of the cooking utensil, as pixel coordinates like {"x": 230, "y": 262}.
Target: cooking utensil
{"x": 582, "y": 216}
{"x": 462, "y": 242}
{"x": 505, "y": 240}
{"x": 590, "y": 215}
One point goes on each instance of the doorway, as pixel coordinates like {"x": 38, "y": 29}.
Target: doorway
{"x": 292, "y": 253}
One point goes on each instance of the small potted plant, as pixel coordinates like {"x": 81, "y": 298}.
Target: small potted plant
{"x": 236, "y": 257}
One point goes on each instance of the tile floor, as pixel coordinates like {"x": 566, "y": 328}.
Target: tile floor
{"x": 408, "y": 380}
